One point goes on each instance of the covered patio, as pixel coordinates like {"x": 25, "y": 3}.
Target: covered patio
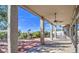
{"x": 65, "y": 15}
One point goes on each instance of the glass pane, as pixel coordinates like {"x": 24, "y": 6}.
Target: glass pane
{"x": 3, "y": 17}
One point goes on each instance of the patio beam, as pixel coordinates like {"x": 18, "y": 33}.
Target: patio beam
{"x": 77, "y": 12}
{"x": 76, "y": 15}
{"x": 12, "y": 28}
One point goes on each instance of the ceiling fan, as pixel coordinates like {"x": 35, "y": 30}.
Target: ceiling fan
{"x": 55, "y": 21}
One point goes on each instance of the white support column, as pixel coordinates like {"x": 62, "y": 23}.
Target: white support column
{"x": 71, "y": 34}
{"x": 12, "y": 28}
{"x": 42, "y": 30}
{"x": 51, "y": 32}
{"x": 55, "y": 31}
{"x": 76, "y": 40}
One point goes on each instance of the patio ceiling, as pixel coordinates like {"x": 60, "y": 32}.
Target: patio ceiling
{"x": 64, "y": 13}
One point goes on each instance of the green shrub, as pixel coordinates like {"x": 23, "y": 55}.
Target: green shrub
{"x": 3, "y": 35}
{"x": 36, "y": 34}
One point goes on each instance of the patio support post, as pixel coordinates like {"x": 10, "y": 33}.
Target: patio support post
{"x": 42, "y": 30}
{"x": 51, "y": 32}
{"x": 76, "y": 40}
{"x": 64, "y": 32}
{"x": 55, "y": 31}
{"x": 12, "y": 28}
{"x": 71, "y": 34}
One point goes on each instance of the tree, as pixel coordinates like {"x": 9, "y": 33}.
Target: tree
{"x": 29, "y": 34}
{"x": 19, "y": 33}
{"x": 3, "y": 17}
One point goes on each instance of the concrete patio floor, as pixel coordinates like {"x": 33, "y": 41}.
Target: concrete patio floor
{"x": 57, "y": 45}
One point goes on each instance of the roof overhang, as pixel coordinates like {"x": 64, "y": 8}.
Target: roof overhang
{"x": 64, "y": 12}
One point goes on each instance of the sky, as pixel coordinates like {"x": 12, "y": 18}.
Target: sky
{"x": 27, "y": 20}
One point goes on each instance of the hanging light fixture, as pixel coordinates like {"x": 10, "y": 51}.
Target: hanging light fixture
{"x": 55, "y": 18}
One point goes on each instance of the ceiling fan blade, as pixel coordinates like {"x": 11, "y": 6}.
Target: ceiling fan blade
{"x": 60, "y": 21}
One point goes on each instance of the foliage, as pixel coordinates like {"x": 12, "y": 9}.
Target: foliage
{"x": 3, "y": 17}
{"x": 47, "y": 34}
{"x": 22, "y": 35}
{"x": 3, "y": 35}
{"x": 36, "y": 34}
{"x": 19, "y": 33}
{"x": 32, "y": 35}
{"x": 25, "y": 35}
